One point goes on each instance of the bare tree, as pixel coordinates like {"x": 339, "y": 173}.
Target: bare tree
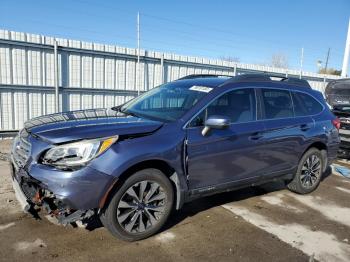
{"x": 329, "y": 71}
{"x": 279, "y": 60}
{"x": 230, "y": 58}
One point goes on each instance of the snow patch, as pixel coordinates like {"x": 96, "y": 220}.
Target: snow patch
{"x": 165, "y": 237}
{"x": 329, "y": 210}
{"x": 343, "y": 189}
{"x": 29, "y": 246}
{"x": 3, "y": 227}
{"x": 317, "y": 244}
{"x": 278, "y": 201}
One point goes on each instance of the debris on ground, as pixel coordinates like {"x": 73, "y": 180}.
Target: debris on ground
{"x": 344, "y": 171}
{"x": 4, "y": 156}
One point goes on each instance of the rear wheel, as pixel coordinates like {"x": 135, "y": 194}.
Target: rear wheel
{"x": 309, "y": 172}
{"x": 140, "y": 207}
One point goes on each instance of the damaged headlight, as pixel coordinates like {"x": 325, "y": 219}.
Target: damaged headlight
{"x": 77, "y": 153}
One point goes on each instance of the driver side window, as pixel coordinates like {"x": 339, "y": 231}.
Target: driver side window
{"x": 238, "y": 105}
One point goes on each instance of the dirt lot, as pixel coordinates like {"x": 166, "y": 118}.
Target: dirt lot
{"x": 266, "y": 224}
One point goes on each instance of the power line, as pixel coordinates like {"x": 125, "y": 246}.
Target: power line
{"x": 190, "y": 37}
{"x": 207, "y": 29}
{"x": 233, "y": 44}
{"x": 171, "y": 44}
{"x": 176, "y": 21}
{"x": 79, "y": 29}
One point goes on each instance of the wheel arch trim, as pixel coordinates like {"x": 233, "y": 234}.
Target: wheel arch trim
{"x": 323, "y": 149}
{"x": 179, "y": 182}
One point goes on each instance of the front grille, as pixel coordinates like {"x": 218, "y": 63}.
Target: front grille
{"x": 21, "y": 148}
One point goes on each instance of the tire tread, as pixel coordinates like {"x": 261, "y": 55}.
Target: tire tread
{"x": 295, "y": 184}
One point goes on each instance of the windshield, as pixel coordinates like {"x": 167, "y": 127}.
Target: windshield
{"x": 167, "y": 102}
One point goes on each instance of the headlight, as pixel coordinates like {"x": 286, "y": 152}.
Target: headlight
{"x": 77, "y": 153}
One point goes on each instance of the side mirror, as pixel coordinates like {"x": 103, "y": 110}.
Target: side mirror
{"x": 215, "y": 122}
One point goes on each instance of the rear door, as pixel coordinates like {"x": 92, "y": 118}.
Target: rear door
{"x": 286, "y": 130}
{"x": 232, "y": 154}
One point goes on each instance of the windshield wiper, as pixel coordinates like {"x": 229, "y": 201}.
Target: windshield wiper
{"x": 119, "y": 109}
{"x": 116, "y": 108}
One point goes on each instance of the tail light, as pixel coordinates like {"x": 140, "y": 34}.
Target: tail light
{"x": 336, "y": 123}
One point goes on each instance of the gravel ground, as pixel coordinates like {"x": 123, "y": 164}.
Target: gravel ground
{"x": 267, "y": 224}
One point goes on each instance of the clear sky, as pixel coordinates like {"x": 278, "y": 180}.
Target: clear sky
{"x": 251, "y": 30}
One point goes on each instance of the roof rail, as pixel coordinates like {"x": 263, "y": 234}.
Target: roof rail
{"x": 257, "y": 77}
{"x": 265, "y": 77}
{"x": 201, "y": 76}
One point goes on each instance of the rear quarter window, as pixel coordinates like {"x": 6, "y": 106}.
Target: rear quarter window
{"x": 305, "y": 104}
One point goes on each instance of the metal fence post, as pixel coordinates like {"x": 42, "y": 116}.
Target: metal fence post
{"x": 301, "y": 62}
{"x": 57, "y": 99}
{"x": 162, "y": 69}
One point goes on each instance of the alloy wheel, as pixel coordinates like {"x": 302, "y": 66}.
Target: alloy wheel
{"x": 141, "y": 206}
{"x": 311, "y": 171}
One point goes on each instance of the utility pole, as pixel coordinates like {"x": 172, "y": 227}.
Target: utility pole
{"x": 301, "y": 62}
{"x": 326, "y": 66}
{"x": 344, "y": 70}
{"x": 138, "y": 54}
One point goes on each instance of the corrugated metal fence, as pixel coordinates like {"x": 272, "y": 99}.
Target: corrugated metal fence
{"x": 91, "y": 75}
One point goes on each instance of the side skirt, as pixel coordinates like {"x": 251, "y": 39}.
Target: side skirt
{"x": 231, "y": 186}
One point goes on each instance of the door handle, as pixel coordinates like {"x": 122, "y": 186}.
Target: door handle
{"x": 305, "y": 127}
{"x": 256, "y": 136}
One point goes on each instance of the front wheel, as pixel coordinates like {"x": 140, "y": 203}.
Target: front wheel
{"x": 140, "y": 207}
{"x": 309, "y": 172}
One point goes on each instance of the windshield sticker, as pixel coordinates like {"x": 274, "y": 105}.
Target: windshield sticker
{"x": 204, "y": 89}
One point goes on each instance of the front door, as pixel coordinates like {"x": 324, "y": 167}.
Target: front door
{"x": 229, "y": 155}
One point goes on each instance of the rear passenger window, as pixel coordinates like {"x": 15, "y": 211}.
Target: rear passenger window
{"x": 277, "y": 103}
{"x": 305, "y": 104}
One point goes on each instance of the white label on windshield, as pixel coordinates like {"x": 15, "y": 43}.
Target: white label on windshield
{"x": 204, "y": 89}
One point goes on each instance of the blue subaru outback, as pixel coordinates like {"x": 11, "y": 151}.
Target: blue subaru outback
{"x": 133, "y": 164}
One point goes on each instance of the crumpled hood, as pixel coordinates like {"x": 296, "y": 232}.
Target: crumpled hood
{"x": 85, "y": 124}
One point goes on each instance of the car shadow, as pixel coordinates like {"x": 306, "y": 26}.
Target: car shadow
{"x": 196, "y": 206}
{"x": 327, "y": 173}
{"x": 192, "y": 208}
{"x": 199, "y": 205}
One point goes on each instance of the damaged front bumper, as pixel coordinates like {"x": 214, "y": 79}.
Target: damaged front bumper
{"x": 22, "y": 199}
{"x": 69, "y": 197}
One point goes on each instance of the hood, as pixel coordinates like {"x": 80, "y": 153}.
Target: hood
{"x": 85, "y": 124}
{"x": 337, "y": 92}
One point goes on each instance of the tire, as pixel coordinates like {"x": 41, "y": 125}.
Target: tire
{"x": 131, "y": 215}
{"x": 304, "y": 181}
